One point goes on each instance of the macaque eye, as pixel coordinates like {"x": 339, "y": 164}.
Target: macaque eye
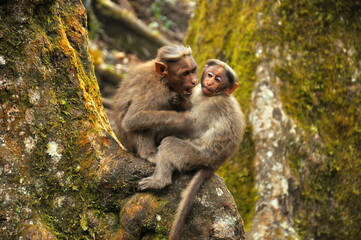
{"x": 186, "y": 73}
{"x": 218, "y": 79}
{"x": 210, "y": 74}
{"x": 194, "y": 70}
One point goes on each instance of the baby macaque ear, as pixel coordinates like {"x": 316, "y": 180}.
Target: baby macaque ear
{"x": 231, "y": 89}
{"x": 161, "y": 68}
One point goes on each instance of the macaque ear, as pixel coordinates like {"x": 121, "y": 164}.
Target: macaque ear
{"x": 231, "y": 89}
{"x": 161, "y": 68}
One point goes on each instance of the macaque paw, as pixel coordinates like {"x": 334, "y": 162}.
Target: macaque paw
{"x": 152, "y": 158}
{"x": 146, "y": 154}
{"x": 151, "y": 183}
{"x": 189, "y": 122}
{"x": 175, "y": 100}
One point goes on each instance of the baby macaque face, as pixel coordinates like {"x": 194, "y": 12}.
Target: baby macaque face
{"x": 214, "y": 80}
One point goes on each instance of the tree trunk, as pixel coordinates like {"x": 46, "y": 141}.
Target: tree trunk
{"x": 63, "y": 175}
{"x": 299, "y": 64}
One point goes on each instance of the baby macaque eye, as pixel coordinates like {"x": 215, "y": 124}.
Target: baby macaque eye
{"x": 210, "y": 74}
{"x": 218, "y": 79}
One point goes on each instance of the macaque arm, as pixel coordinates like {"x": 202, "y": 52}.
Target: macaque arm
{"x": 181, "y": 132}
{"x": 145, "y": 119}
{"x": 182, "y": 154}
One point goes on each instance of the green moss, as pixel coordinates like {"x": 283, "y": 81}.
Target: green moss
{"x": 318, "y": 91}
{"x": 56, "y": 99}
{"x": 62, "y": 117}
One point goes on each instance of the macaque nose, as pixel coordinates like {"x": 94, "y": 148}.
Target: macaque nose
{"x": 194, "y": 81}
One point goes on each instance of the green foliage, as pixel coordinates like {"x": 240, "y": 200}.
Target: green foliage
{"x": 156, "y": 9}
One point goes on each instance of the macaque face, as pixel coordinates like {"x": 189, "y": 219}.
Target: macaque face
{"x": 182, "y": 75}
{"x": 214, "y": 80}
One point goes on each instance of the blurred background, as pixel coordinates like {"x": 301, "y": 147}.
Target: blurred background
{"x": 297, "y": 173}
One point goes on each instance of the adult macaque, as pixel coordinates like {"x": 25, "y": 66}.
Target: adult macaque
{"x": 218, "y": 131}
{"x": 145, "y": 101}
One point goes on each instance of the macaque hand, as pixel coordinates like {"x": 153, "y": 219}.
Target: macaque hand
{"x": 178, "y": 102}
{"x": 188, "y": 121}
{"x": 175, "y": 100}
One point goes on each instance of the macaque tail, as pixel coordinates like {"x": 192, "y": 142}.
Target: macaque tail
{"x": 186, "y": 203}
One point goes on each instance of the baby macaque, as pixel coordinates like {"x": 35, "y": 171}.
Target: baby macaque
{"x": 218, "y": 130}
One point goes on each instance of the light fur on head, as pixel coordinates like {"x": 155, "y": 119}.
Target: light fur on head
{"x": 173, "y": 53}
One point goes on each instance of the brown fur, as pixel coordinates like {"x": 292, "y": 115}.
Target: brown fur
{"x": 145, "y": 98}
{"x": 218, "y": 131}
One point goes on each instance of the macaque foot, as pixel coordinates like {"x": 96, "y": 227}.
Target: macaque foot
{"x": 152, "y": 158}
{"x": 152, "y": 183}
{"x": 147, "y": 154}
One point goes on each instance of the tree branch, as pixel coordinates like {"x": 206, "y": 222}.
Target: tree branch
{"x": 125, "y": 17}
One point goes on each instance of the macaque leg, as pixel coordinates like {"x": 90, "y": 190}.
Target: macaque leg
{"x": 161, "y": 177}
{"x": 144, "y": 141}
{"x": 173, "y": 153}
{"x": 182, "y": 154}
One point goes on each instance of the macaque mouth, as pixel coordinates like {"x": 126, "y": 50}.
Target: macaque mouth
{"x": 187, "y": 91}
{"x": 207, "y": 91}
